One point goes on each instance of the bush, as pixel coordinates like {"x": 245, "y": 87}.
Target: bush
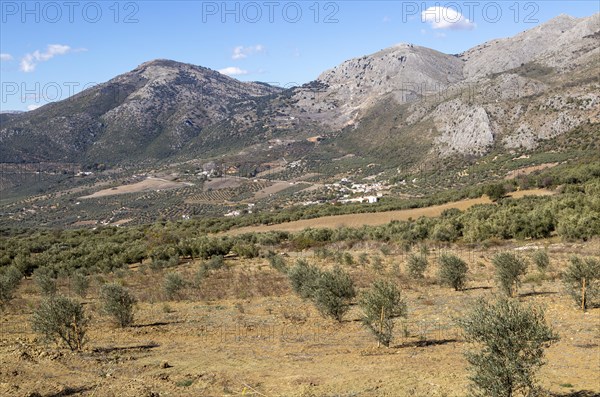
{"x": 509, "y": 270}
{"x": 9, "y": 282}
{"x": 587, "y": 269}
{"x": 377, "y": 263}
{"x": 512, "y": 338}
{"x": 333, "y": 293}
{"x": 59, "y": 318}
{"x": 417, "y": 264}
{"x": 453, "y": 271}
{"x": 304, "y": 279}
{"x": 495, "y": 192}
{"x": 80, "y": 284}
{"x": 380, "y": 304}
{"x": 277, "y": 262}
{"x": 541, "y": 260}
{"x": 45, "y": 281}
{"x": 247, "y": 251}
{"x": 172, "y": 285}
{"x": 118, "y": 302}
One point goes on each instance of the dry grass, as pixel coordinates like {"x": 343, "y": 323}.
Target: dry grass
{"x": 379, "y": 218}
{"x": 241, "y": 332}
{"x": 142, "y": 186}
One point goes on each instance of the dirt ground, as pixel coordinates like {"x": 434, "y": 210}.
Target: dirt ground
{"x": 242, "y": 332}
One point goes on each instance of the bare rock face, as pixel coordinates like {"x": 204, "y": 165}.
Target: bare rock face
{"x": 465, "y": 129}
{"x": 513, "y": 93}
{"x": 557, "y": 43}
{"x": 405, "y": 71}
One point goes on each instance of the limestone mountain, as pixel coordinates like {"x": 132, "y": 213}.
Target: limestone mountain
{"x": 401, "y": 106}
{"x": 148, "y": 113}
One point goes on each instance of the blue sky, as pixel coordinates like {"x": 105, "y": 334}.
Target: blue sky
{"x": 51, "y": 49}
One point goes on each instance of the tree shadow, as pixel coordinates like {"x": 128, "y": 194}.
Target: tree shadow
{"x": 110, "y": 349}
{"x": 69, "y": 391}
{"x": 156, "y": 324}
{"x": 475, "y": 288}
{"x": 536, "y": 293}
{"x": 581, "y": 393}
{"x": 425, "y": 343}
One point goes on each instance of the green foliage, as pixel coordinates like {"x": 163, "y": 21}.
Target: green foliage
{"x": 304, "y": 278}
{"x": 277, "y": 262}
{"x": 381, "y": 304}
{"x": 80, "y": 283}
{"x": 587, "y": 269}
{"x": 453, "y": 271}
{"x": 45, "y": 281}
{"x": 363, "y": 259}
{"x": 333, "y": 293}
{"x": 10, "y": 278}
{"x": 245, "y": 250}
{"x": 59, "y": 318}
{"x": 512, "y": 337}
{"x": 173, "y": 285}
{"x": 541, "y": 260}
{"x": 417, "y": 264}
{"x": 509, "y": 270}
{"x": 118, "y": 302}
{"x": 377, "y": 263}
{"x": 495, "y": 191}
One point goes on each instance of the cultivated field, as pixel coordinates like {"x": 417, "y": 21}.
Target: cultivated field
{"x": 380, "y": 218}
{"x": 148, "y": 184}
{"x": 241, "y": 331}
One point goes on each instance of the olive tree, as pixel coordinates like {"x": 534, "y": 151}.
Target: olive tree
{"x": 509, "y": 270}
{"x": 511, "y": 338}
{"x": 59, "y": 318}
{"x": 380, "y": 304}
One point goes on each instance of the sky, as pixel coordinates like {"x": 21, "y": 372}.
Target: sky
{"x": 50, "y": 50}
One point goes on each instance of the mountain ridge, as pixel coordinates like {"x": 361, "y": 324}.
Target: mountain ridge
{"x": 511, "y": 93}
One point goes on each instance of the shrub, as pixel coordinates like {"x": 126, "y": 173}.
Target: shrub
{"x": 304, "y": 278}
{"x": 45, "y": 281}
{"x": 541, "y": 260}
{"x": 453, "y": 271}
{"x": 247, "y": 251}
{"x": 509, "y": 270}
{"x": 377, "y": 263}
{"x": 9, "y": 282}
{"x": 363, "y": 259}
{"x": 59, "y": 318}
{"x": 380, "y": 304}
{"x": 277, "y": 262}
{"x": 118, "y": 302}
{"x": 582, "y": 271}
{"x": 172, "y": 285}
{"x": 512, "y": 338}
{"x": 215, "y": 263}
{"x": 333, "y": 293}
{"x": 80, "y": 284}
{"x": 495, "y": 191}
{"x": 417, "y": 264}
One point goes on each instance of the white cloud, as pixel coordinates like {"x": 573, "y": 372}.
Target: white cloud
{"x": 446, "y": 18}
{"x": 31, "y": 60}
{"x": 233, "y": 71}
{"x": 6, "y": 57}
{"x": 33, "y": 107}
{"x": 241, "y": 52}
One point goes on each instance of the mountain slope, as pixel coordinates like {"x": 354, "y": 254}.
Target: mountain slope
{"x": 150, "y": 112}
